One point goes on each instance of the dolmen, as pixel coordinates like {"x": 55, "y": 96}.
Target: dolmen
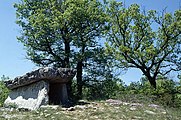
{"x": 44, "y": 86}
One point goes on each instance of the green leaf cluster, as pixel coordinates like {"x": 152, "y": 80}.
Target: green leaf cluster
{"x": 144, "y": 39}
{"x": 4, "y": 91}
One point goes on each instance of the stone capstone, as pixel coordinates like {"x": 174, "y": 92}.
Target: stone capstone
{"x": 53, "y": 75}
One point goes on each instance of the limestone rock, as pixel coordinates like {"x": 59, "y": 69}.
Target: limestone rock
{"x": 54, "y": 107}
{"x": 136, "y": 104}
{"x": 132, "y": 108}
{"x": 29, "y": 97}
{"x": 154, "y": 105}
{"x": 114, "y": 102}
{"x": 150, "y": 112}
{"x": 60, "y": 75}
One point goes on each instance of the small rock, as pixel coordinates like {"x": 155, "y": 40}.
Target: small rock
{"x": 96, "y": 117}
{"x": 53, "y": 117}
{"x": 47, "y": 115}
{"x": 81, "y": 107}
{"x": 90, "y": 106}
{"x": 154, "y": 105}
{"x": 132, "y": 108}
{"x": 57, "y": 113}
{"x": 83, "y": 101}
{"x": 125, "y": 103}
{"x": 11, "y": 109}
{"x": 41, "y": 114}
{"x": 114, "y": 102}
{"x": 55, "y": 107}
{"x": 5, "y": 109}
{"x": 164, "y": 112}
{"x": 94, "y": 103}
{"x": 117, "y": 107}
{"x": 64, "y": 109}
{"x": 45, "y": 110}
{"x": 37, "y": 112}
{"x": 136, "y": 104}
{"x": 71, "y": 109}
{"x": 150, "y": 112}
{"x": 136, "y": 117}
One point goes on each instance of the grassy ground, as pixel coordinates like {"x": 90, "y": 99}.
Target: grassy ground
{"x": 101, "y": 110}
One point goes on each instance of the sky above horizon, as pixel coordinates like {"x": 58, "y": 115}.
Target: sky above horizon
{"x": 13, "y": 62}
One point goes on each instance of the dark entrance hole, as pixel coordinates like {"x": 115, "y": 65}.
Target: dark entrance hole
{"x": 55, "y": 90}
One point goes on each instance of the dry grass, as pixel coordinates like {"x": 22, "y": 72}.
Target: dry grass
{"x": 101, "y": 110}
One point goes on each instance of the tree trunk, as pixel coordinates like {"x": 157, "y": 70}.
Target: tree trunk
{"x": 67, "y": 65}
{"x": 152, "y": 81}
{"x": 67, "y": 54}
{"x": 79, "y": 79}
{"x": 79, "y": 72}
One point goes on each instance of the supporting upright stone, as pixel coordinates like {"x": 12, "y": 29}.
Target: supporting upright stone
{"x": 29, "y": 97}
{"x": 64, "y": 95}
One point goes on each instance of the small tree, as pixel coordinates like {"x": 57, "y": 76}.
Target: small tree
{"x": 4, "y": 91}
{"x": 144, "y": 40}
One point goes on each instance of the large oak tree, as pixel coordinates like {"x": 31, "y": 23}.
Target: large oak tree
{"x": 60, "y": 33}
{"x": 149, "y": 41}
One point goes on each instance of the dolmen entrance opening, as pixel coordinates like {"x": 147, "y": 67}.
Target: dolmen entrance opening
{"x": 44, "y": 86}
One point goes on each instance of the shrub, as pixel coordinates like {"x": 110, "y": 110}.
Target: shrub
{"x": 4, "y": 91}
{"x": 167, "y": 92}
{"x": 103, "y": 89}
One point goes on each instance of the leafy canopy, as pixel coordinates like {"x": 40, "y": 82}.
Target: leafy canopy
{"x": 52, "y": 30}
{"x": 145, "y": 40}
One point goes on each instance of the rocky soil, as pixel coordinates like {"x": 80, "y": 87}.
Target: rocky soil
{"x": 101, "y": 110}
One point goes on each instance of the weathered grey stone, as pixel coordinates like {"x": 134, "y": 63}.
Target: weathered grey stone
{"x": 30, "y": 97}
{"x": 149, "y": 112}
{"x": 154, "y": 105}
{"x": 40, "y": 87}
{"x": 60, "y": 75}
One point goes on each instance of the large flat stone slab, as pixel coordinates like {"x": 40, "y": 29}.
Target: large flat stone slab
{"x": 56, "y": 75}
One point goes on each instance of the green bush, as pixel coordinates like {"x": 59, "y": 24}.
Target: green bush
{"x": 4, "y": 91}
{"x": 168, "y": 93}
{"x": 103, "y": 90}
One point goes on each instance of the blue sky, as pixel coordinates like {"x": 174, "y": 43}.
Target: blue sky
{"x": 13, "y": 62}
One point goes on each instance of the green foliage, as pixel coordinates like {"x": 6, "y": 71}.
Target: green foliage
{"x": 167, "y": 92}
{"x": 103, "y": 89}
{"x": 4, "y": 91}
{"x": 55, "y": 32}
{"x": 98, "y": 67}
{"x": 134, "y": 41}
